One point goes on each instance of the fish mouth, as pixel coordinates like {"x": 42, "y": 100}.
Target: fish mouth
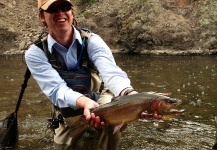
{"x": 176, "y": 111}
{"x": 173, "y": 110}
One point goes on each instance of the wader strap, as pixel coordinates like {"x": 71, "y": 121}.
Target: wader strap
{"x": 45, "y": 47}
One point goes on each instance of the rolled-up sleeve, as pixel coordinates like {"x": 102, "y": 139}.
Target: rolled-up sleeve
{"x": 48, "y": 79}
{"x": 113, "y": 76}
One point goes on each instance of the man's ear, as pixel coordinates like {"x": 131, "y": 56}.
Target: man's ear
{"x": 41, "y": 17}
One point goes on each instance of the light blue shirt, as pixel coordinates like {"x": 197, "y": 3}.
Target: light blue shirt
{"x": 55, "y": 88}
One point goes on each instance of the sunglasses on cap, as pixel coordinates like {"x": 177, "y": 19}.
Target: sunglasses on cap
{"x": 63, "y": 7}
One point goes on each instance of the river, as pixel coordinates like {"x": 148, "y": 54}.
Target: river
{"x": 193, "y": 79}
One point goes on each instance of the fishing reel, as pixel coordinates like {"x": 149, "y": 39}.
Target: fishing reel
{"x": 53, "y": 123}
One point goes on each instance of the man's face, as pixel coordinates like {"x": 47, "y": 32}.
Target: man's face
{"x": 58, "y": 17}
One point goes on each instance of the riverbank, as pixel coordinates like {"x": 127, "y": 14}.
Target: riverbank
{"x": 143, "y": 52}
{"x": 153, "y": 27}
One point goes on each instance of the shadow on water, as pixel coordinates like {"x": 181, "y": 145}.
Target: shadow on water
{"x": 192, "y": 79}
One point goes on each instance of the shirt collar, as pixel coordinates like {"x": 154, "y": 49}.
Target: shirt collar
{"x": 51, "y": 41}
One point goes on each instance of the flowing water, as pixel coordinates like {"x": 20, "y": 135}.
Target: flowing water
{"x": 193, "y": 79}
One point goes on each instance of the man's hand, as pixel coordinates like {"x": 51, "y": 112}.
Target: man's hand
{"x": 95, "y": 121}
{"x": 87, "y": 104}
{"x": 146, "y": 115}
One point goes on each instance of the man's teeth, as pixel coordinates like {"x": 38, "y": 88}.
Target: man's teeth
{"x": 61, "y": 20}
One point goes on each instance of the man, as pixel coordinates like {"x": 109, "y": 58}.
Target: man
{"x": 63, "y": 41}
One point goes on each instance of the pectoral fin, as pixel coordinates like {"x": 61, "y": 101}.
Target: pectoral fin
{"x": 119, "y": 127}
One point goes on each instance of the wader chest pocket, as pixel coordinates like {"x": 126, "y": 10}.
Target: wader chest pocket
{"x": 79, "y": 81}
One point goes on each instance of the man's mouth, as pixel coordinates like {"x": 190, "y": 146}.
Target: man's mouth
{"x": 61, "y": 20}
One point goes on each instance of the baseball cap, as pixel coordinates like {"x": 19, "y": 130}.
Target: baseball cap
{"x": 44, "y": 4}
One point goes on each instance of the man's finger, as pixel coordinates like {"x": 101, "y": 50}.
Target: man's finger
{"x": 92, "y": 120}
{"x": 156, "y": 116}
{"x": 102, "y": 124}
{"x": 97, "y": 122}
{"x": 87, "y": 114}
{"x": 146, "y": 115}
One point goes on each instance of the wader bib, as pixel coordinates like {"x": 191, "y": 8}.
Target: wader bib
{"x": 80, "y": 77}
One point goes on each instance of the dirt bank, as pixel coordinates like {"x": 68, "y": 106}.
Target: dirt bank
{"x": 171, "y": 27}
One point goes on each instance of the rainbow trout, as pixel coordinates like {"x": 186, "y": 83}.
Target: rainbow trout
{"x": 126, "y": 109}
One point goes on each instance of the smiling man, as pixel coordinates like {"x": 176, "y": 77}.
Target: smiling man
{"x": 56, "y": 65}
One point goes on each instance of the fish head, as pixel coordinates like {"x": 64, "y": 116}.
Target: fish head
{"x": 165, "y": 105}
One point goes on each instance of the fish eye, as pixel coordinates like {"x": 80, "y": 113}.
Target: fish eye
{"x": 171, "y": 101}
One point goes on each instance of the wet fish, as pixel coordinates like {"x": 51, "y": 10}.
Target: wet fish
{"x": 126, "y": 109}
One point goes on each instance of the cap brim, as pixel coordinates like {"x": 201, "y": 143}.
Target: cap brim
{"x": 47, "y": 4}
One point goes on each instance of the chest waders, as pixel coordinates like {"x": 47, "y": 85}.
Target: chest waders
{"x": 79, "y": 78}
